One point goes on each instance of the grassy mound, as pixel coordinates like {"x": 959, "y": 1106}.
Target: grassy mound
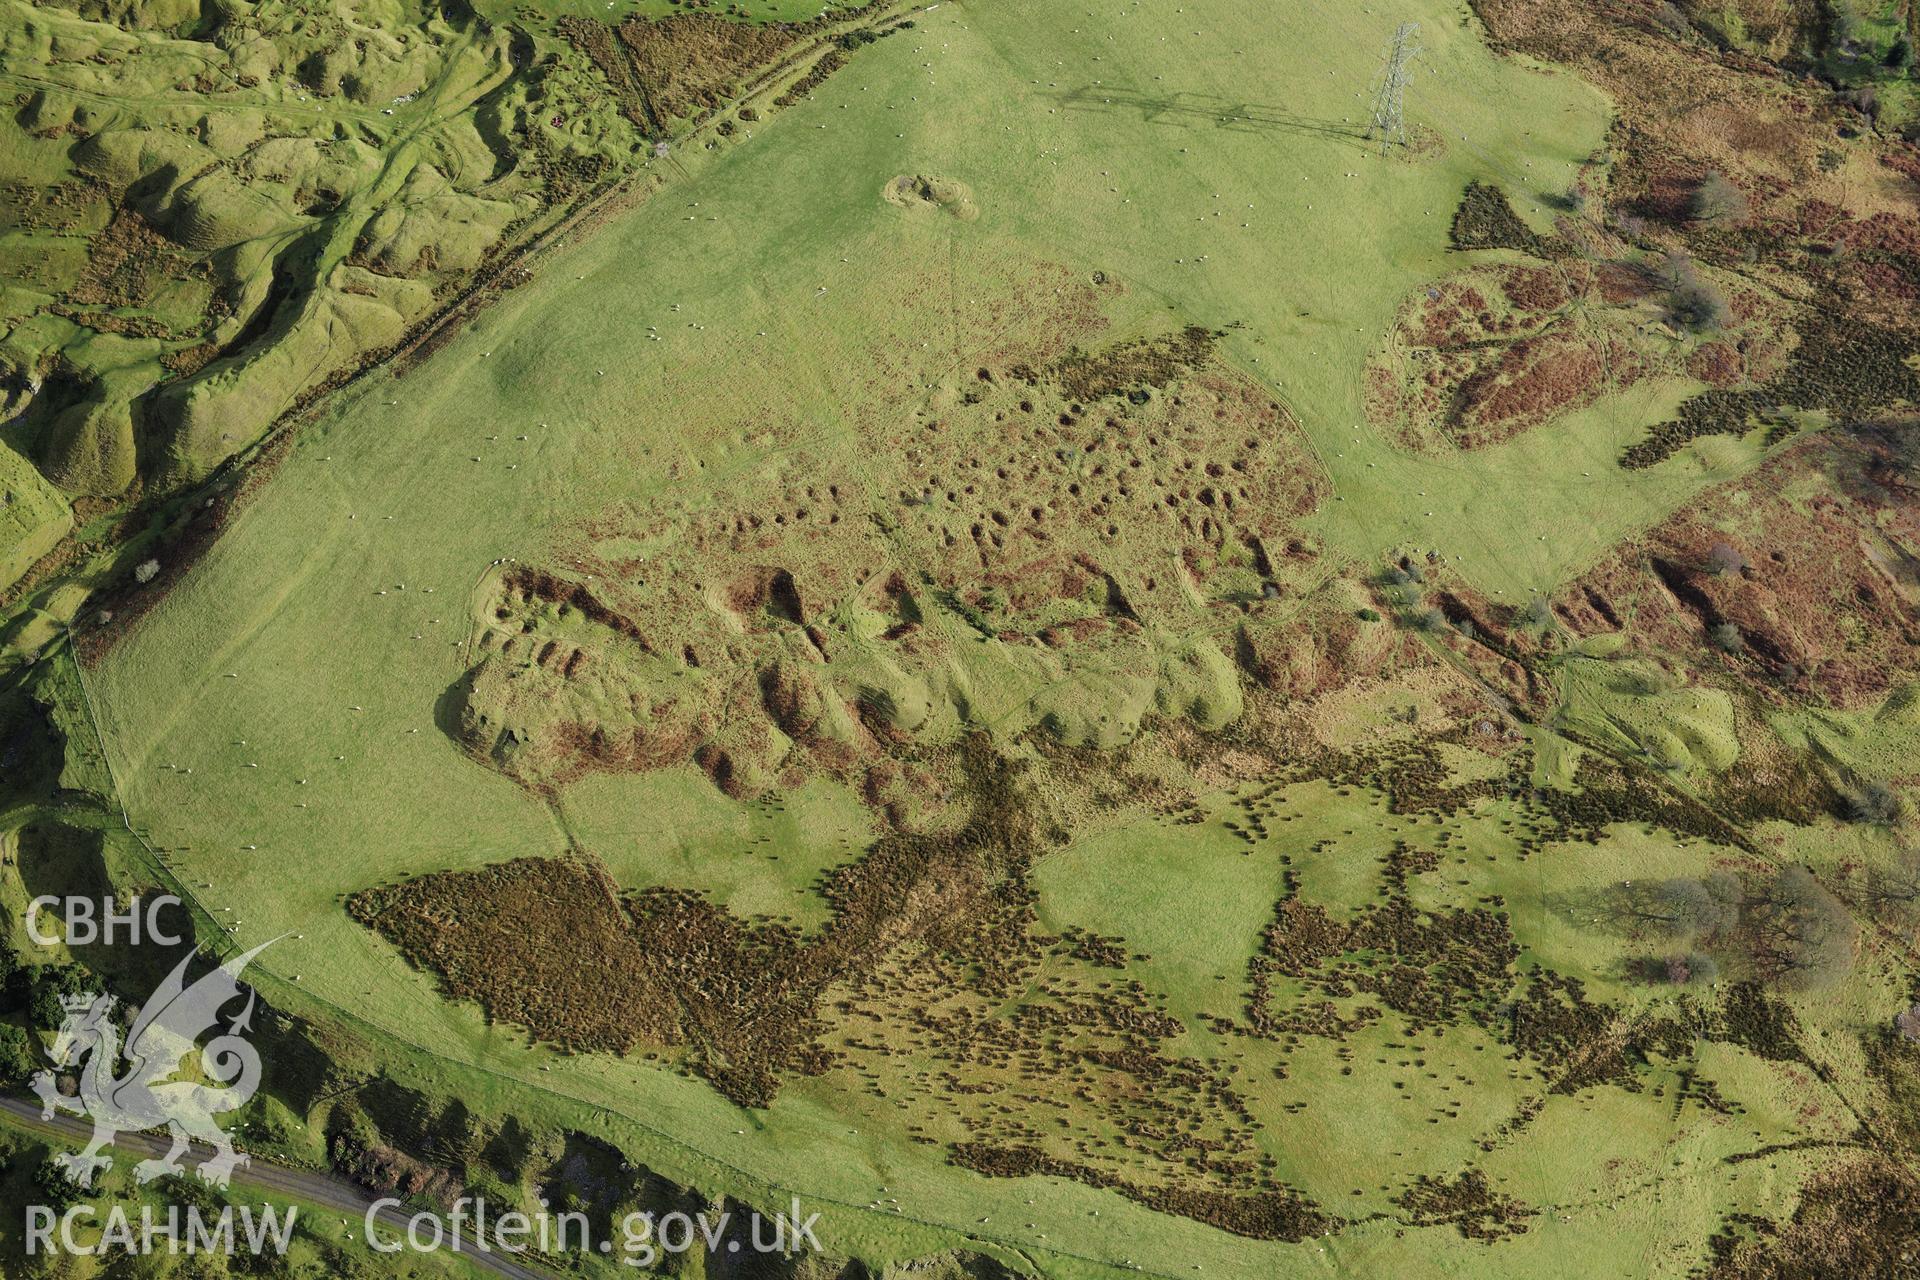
{"x": 913, "y": 191}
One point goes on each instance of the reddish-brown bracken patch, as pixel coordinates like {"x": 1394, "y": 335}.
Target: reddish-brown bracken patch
{"x": 1802, "y": 564}
{"x": 1534, "y": 379}
{"x": 1717, "y": 364}
{"x": 1536, "y": 288}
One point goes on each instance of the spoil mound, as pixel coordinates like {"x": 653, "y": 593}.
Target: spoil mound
{"x": 916, "y": 191}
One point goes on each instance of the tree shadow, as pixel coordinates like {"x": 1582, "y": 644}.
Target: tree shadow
{"x": 449, "y": 709}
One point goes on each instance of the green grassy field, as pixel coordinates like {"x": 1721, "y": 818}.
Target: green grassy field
{"x": 770, "y": 302}
{"x": 763, "y": 858}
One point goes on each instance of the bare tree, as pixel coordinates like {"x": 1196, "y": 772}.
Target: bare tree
{"x": 1893, "y": 889}
{"x": 1802, "y": 935}
{"x": 1718, "y": 202}
{"x": 1723, "y": 559}
{"x": 1865, "y": 100}
{"x": 1875, "y": 804}
{"x": 1673, "y": 20}
{"x": 1692, "y": 301}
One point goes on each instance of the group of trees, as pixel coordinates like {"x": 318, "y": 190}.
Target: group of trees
{"x": 1724, "y": 560}
{"x": 1847, "y": 44}
{"x": 17, "y": 1056}
{"x": 1692, "y": 301}
{"x": 1786, "y": 928}
{"x": 16, "y": 1046}
{"x": 36, "y": 992}
{"x": 1684, "y": 912}
{"x": 1402, "y": 582}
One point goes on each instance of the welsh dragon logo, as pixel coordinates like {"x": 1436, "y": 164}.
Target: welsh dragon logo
{"x": 150, "y": 1095}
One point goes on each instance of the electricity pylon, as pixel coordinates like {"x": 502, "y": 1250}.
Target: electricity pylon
{"x": 1389, "y": 99}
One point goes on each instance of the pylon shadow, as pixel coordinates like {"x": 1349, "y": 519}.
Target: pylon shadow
{"x": 1184, "y": 108}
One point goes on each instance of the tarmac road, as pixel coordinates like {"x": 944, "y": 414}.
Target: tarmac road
{"x": 325, "y": 1190}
